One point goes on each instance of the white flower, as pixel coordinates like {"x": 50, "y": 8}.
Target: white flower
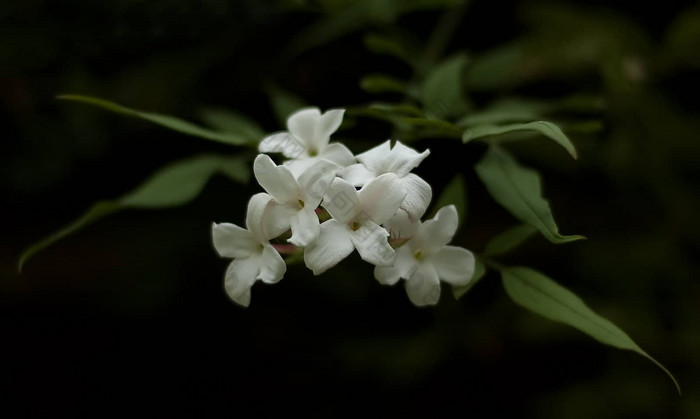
{"x": 295, "y": 199}
{"x": 254, "y": 257}
{"x": 306, "y": 140}
{"x": 426, "y": 258}
{"x": 399, "y": 160}
{"x": 356, "y": 223}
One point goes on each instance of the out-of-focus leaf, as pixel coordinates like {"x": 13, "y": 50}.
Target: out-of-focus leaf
{"x": 379, "y": 83}
{"x": 381, "y": 44}
{"x": 442, "y": 89}
{"x": 229, "y": 121}
{"x": 284, "y": 103}
{"x": 397, "y": 109}
{"x": 167, "y": 121}
{"x": 509, "y": 240}
{"x": 683, "y": 38}
{"x": 505, "y": 111}
{"x": 479, "y": 271}
{"x": 453, "y": 194}
{"x": 518, "y": 190}
{"x": 541, "y": 295}
{"x": 495, "y": 69}
{"x": 547, "y": 129}
{"x": 436, "y": 124}
{"x": 175, "y": 184}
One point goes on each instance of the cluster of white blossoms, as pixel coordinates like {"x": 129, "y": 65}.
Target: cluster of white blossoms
{"x": 381, "y": 219}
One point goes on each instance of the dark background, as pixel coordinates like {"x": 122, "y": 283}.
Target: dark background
{"x": 129, "y": 316}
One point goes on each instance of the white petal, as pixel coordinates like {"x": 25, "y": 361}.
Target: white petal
{"x": 418, "y": 196}
{"x": 423, "y": 287}
{"x": 370, "y": 240}
{"x": 341, "y": 201}
{"x": 357, "y": 174}
{"x": 298, "y": 166}
{"x": 314, "y": 182}
{"x": 282, "y": 142}
{"x": 231, "y": 241}
{"x": 305, "y": 227}
{"x": 403, "y": 159}
{"x": 271, "y": 264}
{"x": 404, "y": 266}
{"x": 400, "y": 225}
{"x": 257, "y": 219}
{"x": 302, "y": 124}
{"x": 375, "y": 158}
{"x": 338, "y": 154}
{"x": 436, "y": 233}
{"x": 240, "y": 277}
{"x": 380, "y": 198}
{"x": 313, "y": 129}
{"x": 454, "y": 265}
{"x": 332, "y": 246}
{"x": 278, "y": 181}
{"x": 277, "y": 219}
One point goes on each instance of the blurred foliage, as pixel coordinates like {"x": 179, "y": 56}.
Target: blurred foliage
{"x": 137, "y": 302}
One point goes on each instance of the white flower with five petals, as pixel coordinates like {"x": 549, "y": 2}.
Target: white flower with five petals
{"x": 295, "y": 199}
{"x": 307, "y": 140}
{"x": 356, "y": 223}
{"x": 399, "y": 160}
{"x": 426, "y": 259}
{"x": 254, "y": 258}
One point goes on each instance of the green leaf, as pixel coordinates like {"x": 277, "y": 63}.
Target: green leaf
{"x": 229, "y": 121}
{"x": 379, "y": 83}
{"x": 175, "y": 184}
{"x": 380, "y": 44}
{"x": 511, "y": 110}
{"x": 518, "y": 190}
{"x": 284, "y": 103}
{"x": 479, "y": 271}
{"x": 453, "y": 194}
{"x": 541, "y": 295}
{"x": 167, "y": 121}
{"x": 442, "y": 89}
{"x": 547, "y": 129}
{"x": 496, "y": 69}
{"x": 509, "y": 240}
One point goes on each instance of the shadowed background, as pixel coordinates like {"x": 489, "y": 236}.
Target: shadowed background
{"x": 130, "y": 315}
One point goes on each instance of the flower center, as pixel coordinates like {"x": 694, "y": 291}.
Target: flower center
{"x": 261, "y": 247}
{"x": 417, "y": 255}
{"x": 301, "y": 203}
{"x": 313, "y": 152}
{"x": 354, "y": 226}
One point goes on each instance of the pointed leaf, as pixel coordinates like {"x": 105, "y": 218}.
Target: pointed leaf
{"x": 505, "y": 111}
{"x": 479, "y": 271}
{"x": 541, "y": 295}
{"x": 175, "y": 184}
{"x": 167, "y": 121}
{"x": 509, "y": 240}
{"x": 547, "y": 129}
{"x": 518, "y": 190}
{"x": 453, "y": 194}
{"x": 442, "y": 90}
{"x": 381, "y": 44}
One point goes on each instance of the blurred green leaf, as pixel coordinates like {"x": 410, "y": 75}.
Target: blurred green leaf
{"x": 380, "y": 83}
{"x": 442, "y": 89}
{"x": 230, "y": 121}
{"x": 453, "y": 194}
{"x": 381, "y": 44}
{"x": 547, "y": 129}
{"x": 509, "y": 240}
{"x": 511, "y": 110}
{"x": 496, "y": 69}
{"x": 284, "y": 103}
{"x": 541, "y": 295}
{"x": 518, "y": 190}
{"x": 167, "y": 121}
{"x": 479, "y": 271}
{"x": 175, "y": 184}
{"x": 399, "y": 109}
